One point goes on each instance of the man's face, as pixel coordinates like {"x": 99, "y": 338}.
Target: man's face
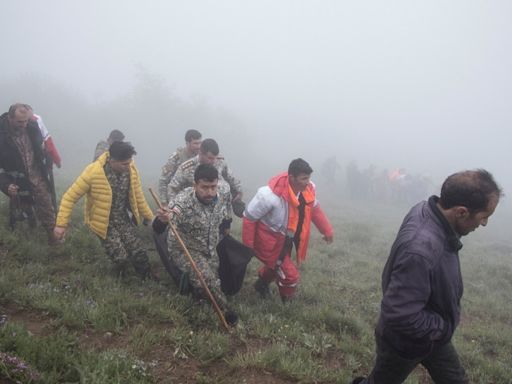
{"x": 207, "y": 158}
{"x": 206, "y": 191}
{"x": 20, "y": 119}
{"x": 467, "y": 222}
{"x": 193, "y": 146}
{"x": 299, "y": 182}
{"x": 120, "y": 166}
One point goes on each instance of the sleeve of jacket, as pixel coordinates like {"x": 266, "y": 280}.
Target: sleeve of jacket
{"x": 168, "y": 171}
{"x": 5, "y": 180}
{"x": 404, "y": 304}
{"x": 176, "y": 184}
{"x": 258, "y": 207}
{"x": 142, "y": 204}
{"x": 321, "y": 221}
{"x": 79, "y": 188}
{"x": 234, "y": 184}
{"x": 52, "y": 151}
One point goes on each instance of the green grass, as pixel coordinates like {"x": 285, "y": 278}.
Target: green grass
{"x": 73, "y": 321}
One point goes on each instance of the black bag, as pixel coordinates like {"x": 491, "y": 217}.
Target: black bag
{"x": 233, "y": 259}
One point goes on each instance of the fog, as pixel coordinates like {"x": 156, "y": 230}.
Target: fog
{"x": 421, "y": 85}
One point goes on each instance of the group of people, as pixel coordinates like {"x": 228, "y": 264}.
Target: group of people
{"x": 421, "y": 283}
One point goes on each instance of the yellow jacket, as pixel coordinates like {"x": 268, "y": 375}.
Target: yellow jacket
{"x": 94, "y": 184}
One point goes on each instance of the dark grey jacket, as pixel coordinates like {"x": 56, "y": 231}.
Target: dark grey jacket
{"x": 12, "y": 168}
{"x": 421, "y": 284}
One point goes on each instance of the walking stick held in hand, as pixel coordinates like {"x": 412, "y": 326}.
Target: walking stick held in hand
{"x": 194, "y": 266}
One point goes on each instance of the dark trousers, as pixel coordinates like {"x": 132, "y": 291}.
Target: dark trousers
{"x": 442, "y": 364}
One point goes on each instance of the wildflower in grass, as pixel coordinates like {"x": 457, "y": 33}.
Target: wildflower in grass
{"x": 17, "y": 370}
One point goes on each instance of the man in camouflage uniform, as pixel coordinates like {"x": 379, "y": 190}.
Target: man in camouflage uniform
{"x": 115, "y": 202}
{"x": 201, "y": 217}
{"x": 228, "y": 185}
{"x": 182, "y": 154}
{"x": 104, "y": 145}
{"x": 24, "y": 173}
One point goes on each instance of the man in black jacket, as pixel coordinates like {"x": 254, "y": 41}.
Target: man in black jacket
{"x": 23, "y": 171}
{"x": 422, "y": 282}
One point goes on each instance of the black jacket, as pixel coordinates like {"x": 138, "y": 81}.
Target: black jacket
{"x": 12, "y": 168}
{"x": 421, "y": 284}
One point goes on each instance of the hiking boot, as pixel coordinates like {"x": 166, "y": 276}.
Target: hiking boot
{"x": 231, "y": 318}
{"x": 263, "y": 288}
{"x": 359, "y": 380}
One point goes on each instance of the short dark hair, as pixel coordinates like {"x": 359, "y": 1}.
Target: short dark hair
{"x": 209, "y": 145}
{"x": 471, "y": 189}
{"x": 121, "y": 150}
{"x": 116, "y": 135}
{"x": 206, "y": 172}
{"x": 192, "y": 134}
{"x": 298, "y": 166}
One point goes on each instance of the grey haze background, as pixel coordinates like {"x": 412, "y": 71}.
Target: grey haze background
{"x": 424, "y": 85}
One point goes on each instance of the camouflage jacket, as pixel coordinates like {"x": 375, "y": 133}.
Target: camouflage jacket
{"x": 197, "y": 224}
{"x": 102, "y": 147}
{"x": 184, "y": 177}
{"x": 169, "y": 169}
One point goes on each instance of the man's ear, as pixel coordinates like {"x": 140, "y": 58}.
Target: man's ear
{"x": 461, "y": 212}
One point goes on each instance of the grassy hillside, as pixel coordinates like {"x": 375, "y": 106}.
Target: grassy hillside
{"x": 70, "y": 320}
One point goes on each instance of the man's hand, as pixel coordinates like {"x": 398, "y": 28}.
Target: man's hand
{"x": 12, "y": 190}
{"x": 59, "y": 233}
{"x": 164, "y": 215}
{"x": 328, "y": 239}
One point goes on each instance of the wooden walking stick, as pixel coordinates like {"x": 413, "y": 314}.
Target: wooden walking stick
{"x": 194, "y": 266}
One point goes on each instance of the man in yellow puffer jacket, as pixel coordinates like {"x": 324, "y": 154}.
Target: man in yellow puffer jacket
{"x": 114, "y": 203}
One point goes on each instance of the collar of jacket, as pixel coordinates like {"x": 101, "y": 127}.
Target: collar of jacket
{"x": 452, "y": 238}
{"x": 281, "y": 187}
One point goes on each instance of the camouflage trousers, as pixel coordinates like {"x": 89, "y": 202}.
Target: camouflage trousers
{"x": 123, "y": 247}
{"x": 208, "y": 267}
{"x": 42, "y": 205}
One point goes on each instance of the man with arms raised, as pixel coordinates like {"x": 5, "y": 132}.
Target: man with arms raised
{"x": 182, "y": 154}
{"x": 422, "y": 282}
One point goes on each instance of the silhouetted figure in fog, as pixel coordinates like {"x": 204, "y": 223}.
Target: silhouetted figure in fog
{"x": 104, "y": 145}
{"x": 422, "y": 282}
{"x": 328, "y": 171}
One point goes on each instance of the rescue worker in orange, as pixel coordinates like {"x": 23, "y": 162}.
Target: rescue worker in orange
{"x": 276, "y": 220}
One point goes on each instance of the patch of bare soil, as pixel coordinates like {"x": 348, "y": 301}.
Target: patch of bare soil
{"x": 165, "y": 365}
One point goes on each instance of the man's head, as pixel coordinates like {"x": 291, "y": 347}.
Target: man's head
{"x": 208, "y": 151}
{"x": 121, "y": 154}
{"x": 18, "y": 116}
{"x": 115, "y": 135}
{"x": 299, "y": 175}
{"x": 206, "y": 179}
{"x": 469, "y": 198}
{"x": 193, "y": 141}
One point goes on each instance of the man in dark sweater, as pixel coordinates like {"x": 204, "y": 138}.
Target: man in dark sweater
{"x": 422, "y": 282}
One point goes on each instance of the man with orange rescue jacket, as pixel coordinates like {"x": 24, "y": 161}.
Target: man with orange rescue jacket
{"x": 279, "y": 217}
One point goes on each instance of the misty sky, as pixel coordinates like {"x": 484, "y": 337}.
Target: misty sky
{"x": 421, "y": 84}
